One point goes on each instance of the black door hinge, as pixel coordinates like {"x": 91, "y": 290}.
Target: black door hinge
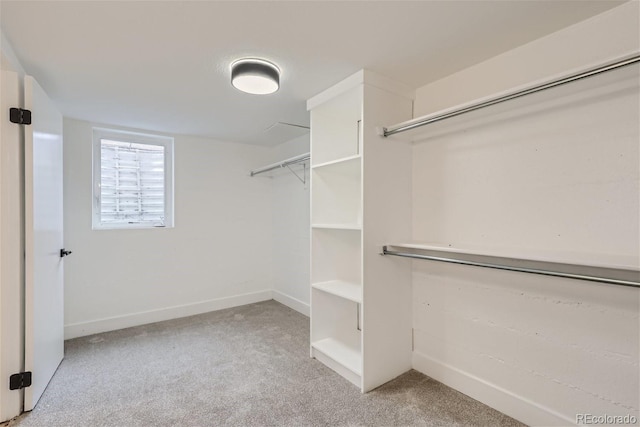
{"x": 20, "y": 116}
{"x": 21, "y": 380}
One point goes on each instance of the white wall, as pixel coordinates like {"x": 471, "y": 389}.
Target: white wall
{"x": 555, "y": 175}
{"x": 9, "y": 61}
{"x": 290, "y": 227}
{"x": 217, "y": 255}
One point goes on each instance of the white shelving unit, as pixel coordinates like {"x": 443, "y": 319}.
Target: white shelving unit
{"x": 360, "y": 197}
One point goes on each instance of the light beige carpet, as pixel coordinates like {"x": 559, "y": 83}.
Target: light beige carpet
{"x": 245, "y": 366}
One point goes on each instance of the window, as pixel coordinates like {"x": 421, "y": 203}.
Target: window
{"x": 132, "y": 180}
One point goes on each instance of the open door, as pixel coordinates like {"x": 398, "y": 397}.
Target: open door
{"x": 44, "y": 278}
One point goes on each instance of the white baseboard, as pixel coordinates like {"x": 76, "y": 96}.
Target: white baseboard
{"x": 291, "y": 302}
{"x": 507, "y": 402}
{"x": 75, "y": 330}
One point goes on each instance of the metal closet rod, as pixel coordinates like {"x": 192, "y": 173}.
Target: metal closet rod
{"x": 423, "y": 121}
{"x": 293, "y": 160}
{"x": 607, "y": 280}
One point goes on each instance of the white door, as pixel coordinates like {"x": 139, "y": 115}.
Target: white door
{"x": 44, "y": 282}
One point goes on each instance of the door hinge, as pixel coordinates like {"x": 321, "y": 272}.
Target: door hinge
{"x": 21, "y": 380}
{"x": 64, "y": 253}
{"x": 20, "y": 116}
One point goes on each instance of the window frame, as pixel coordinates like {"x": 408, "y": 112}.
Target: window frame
{"x": 134, "y": 137}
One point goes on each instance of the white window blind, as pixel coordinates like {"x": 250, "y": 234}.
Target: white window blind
{"x": 132, "y": 185}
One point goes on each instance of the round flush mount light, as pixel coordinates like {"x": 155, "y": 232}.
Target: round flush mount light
{"x": 255, "y": 76}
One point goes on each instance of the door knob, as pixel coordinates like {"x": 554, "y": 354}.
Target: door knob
{"x": 64, "y": 253}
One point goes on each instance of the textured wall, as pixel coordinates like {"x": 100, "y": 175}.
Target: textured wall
{"x": 553, "y": 175}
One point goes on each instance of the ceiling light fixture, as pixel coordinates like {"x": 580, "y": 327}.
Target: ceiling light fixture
{"x": 255, "y": 76}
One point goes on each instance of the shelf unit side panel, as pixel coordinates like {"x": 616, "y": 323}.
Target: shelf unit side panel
{"x": 387, "y": 292}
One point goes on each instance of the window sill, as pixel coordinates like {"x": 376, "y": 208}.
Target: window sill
{"x": 128, "y": 227}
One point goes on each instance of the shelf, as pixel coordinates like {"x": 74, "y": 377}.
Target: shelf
{"x": 340, "y": 288}
{"x": 338, "y": 226}
{"x": 416, "y": 125}
{"x": 546, "y": 256}
{"x": 343, "y": 354}
{"x": 337, "y": 161}
{"x": 616, "y": 270}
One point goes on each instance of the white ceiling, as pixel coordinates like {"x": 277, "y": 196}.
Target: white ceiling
{"x": 164, "y": 65}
